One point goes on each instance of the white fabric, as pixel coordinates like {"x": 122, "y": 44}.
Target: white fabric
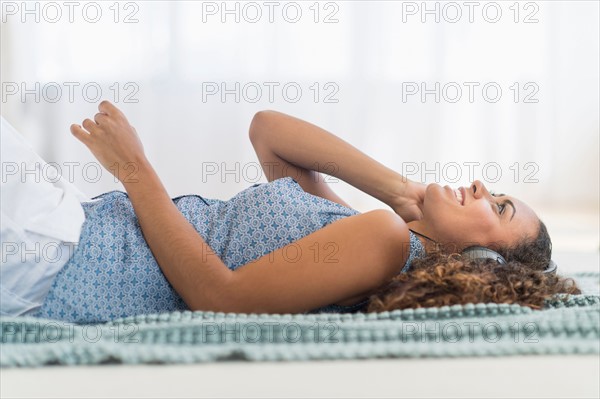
{"x": 41, "y": 223}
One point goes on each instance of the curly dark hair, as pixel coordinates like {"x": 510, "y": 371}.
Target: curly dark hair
{"x": 442, "y": 278}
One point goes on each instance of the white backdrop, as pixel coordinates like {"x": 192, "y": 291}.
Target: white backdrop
{"x": 161, "y": 61}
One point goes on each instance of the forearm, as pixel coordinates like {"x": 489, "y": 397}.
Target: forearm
{"x": 308, "y": 146}
{"x": 192, "y": 268}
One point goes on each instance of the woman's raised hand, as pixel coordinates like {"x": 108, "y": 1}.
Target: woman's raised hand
{"x": 113, "y": 141}
{"x": 409, "y": 201}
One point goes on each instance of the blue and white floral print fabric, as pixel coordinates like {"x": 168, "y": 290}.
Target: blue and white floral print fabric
{"x": 113, "y": 273}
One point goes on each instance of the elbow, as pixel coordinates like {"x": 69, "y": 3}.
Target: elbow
{"x": 237, "y": 295}
{"x": 221, "y": 304}
{"x": 217, "y": 296}
{"x": 257, "y": 127}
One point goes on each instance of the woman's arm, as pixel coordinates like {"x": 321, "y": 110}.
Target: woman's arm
{"x": 347, "y": 258}
{"x": 288, "y": 146}
{"x": 187, "y": 261}
{"x": 342, "y": 263}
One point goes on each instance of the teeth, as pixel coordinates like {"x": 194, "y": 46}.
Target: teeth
{"x": 458, "y": 196}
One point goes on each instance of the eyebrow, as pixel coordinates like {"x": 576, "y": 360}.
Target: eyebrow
{"x": 509, "y": 202}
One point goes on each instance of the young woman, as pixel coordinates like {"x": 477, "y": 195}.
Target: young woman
{"x": 291, "y": 245}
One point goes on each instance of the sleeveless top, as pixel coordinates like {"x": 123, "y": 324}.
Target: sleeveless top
{"x": 113, "y": 274}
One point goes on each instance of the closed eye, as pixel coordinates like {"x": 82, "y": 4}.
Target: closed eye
{"x": 502, "y": 206}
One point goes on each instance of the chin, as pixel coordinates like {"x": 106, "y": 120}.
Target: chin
{"x": 432, "y": 194}
{"x": 431, "y": 188}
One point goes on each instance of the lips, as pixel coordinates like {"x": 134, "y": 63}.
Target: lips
{"x": 460, "y": 195}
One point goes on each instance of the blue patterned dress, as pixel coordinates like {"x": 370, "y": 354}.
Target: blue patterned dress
{"x": 113, "y": 273}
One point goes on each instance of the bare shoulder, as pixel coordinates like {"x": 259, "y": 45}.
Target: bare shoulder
{"x": 391, "y": 234}
{"x": 391, "y": 241}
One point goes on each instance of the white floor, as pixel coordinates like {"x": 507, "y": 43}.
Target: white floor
{"x": 576, "y": 249}
{"x": 523, "y": 377}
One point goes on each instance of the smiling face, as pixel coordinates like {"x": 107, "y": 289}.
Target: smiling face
{"x": 473, "y": 216}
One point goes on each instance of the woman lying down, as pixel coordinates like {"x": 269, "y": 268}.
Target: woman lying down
{"x": 287, "y": 246}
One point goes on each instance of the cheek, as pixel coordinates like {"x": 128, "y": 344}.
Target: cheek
{"x": 474, "y": 225}
{"x": 482, "y": 217}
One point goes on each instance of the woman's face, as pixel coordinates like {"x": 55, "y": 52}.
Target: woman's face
{"x": 472, "y": 216}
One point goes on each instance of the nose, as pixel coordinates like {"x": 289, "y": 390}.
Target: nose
{"x": 479, "y": 190}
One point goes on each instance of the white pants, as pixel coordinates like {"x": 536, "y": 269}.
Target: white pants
{"x": 40, "y": 226}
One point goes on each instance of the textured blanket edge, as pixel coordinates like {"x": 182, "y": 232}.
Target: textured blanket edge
{"x": 567, "y": 325}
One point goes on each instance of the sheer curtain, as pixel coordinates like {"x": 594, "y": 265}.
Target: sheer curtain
{"x": 362, "y": 69}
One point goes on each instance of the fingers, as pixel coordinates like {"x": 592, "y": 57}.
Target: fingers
{"x": 90, "y": 125}
{"x": 100, "y": 118}
{"x": 80, "y": 134}
{"x": 98, "y": 126}
{"x": 108, "y": 108}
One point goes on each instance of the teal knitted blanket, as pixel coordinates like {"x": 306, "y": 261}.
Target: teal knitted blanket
{"x": 567, "y": 325}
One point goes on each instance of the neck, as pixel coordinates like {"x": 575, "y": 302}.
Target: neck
{"x": 421, "y": 230}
